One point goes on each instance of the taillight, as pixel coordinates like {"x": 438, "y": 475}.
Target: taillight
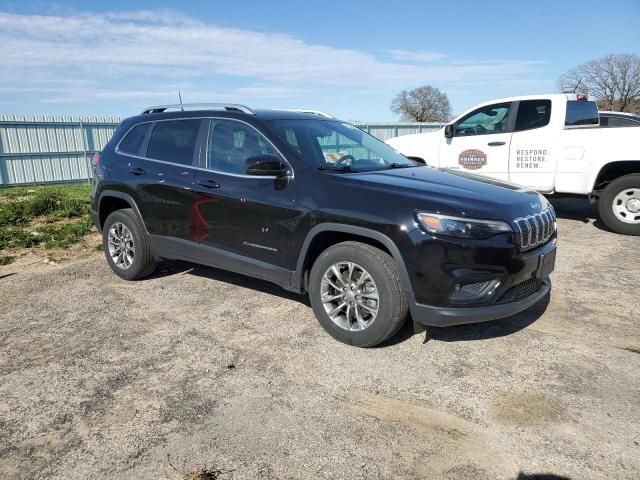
{"x": 96, "y": 160}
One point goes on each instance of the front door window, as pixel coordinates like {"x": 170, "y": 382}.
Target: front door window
{"x": 483, "y": 121}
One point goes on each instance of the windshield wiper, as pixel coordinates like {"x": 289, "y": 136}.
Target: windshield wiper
{"x": 400, "y": 165}
{"x": 342, "y": 169}
{"x": 395, "y": 165}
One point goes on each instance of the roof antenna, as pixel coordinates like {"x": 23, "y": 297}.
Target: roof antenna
{"x": 575, "y": 89}
{"x": 180, "y": 98}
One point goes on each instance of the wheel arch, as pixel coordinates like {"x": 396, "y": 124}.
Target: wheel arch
{"x": 324, "y": 235}
{"x": 613, "y": 170}
{"x": 112, "y": 200}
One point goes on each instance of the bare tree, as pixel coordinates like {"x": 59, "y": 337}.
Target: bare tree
{"x": 613, "y": 79}
{"x": 422, "y": 104}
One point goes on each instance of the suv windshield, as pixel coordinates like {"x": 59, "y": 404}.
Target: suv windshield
{"x": 334, "y": 145}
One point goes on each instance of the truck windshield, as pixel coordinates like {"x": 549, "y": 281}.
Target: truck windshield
{"x": 339, "y": 146}
{"x": 580, "y": 112}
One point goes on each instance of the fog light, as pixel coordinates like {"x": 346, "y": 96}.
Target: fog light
{"x": 474, "y": 291}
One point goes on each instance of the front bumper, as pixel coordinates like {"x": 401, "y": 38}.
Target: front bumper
{"x": 429, "y": 316}
{"x": 436, "y": 267}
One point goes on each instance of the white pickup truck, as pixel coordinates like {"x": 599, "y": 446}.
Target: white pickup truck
{"x": 549, "y": 143}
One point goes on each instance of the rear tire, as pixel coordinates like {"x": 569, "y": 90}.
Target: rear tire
{"x": 367, "y": 282}
{"x": 619, "y": 205}
{"x": 126, "y": 245}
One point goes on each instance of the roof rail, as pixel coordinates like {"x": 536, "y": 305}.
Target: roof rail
{"x": 306, "y": 110}
{"x": 199, "y": 106}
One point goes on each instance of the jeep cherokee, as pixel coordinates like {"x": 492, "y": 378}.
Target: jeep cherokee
{"x": 322, "y": 208}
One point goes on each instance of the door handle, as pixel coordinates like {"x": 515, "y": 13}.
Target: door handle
{"x": 136, "y": 171}
{"x": 209, "y": 184}
{"x": 496, "y": 144}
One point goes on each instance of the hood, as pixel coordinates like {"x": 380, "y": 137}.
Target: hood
{"x": 421, "y": 145}
{"x": 454, "y": 193}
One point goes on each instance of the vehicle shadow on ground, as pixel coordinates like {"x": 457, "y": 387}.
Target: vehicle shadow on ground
{"x": 476, "y": 331}
{"x": 580, "y": 209}
{"x": 169, "y": 268}
{"x": 486, "y": 330}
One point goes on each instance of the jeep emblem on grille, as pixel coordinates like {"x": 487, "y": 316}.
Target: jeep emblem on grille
{"x": 472, "y": 159}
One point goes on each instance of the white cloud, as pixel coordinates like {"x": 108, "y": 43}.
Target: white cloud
{"x": 114, "y": 55}
{"x": 416, "y": 57}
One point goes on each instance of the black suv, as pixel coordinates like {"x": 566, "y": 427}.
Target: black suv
{"x": 320, "y": 207}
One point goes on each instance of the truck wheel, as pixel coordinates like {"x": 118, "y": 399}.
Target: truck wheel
{"x": 357, "y": 295}
{"x": 126, "y": 246}
{"x": 619, "y": 205}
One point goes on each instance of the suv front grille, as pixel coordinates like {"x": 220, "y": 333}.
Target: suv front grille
{"x": 534, "y": 230}
{"x": 520, "y": 291}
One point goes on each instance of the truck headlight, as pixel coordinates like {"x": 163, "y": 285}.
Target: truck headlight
{"x": 461, "y": 227}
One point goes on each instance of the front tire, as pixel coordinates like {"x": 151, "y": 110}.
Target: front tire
{"x": 357, "y": 295}
{"x": 126, "y": 245}
{"x": 619, "y": 205}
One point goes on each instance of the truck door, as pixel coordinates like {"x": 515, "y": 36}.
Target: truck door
{"x": 532, "y": 155}
{"x": 480, "y": 142}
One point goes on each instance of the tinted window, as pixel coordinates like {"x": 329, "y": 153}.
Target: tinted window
{"x": 132, "y": 142}
{"x": 619, "y": 122}
{"x": 174, "y": 141}
{"x": 291, "y": 138}
{"x": 329, "y": 144}
{"x": 231, "y": 144}
{"x": 485, "y": 120}
{"x": 533, "y": 114}
{"x": 581, "y": 113}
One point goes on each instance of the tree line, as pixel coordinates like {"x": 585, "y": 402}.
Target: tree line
{"x": 613, "y": 80}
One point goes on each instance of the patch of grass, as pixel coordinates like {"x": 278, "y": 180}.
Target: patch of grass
{"x": 14, "y": 237}
{"x": 18, "y": 206}
{"x": 32, "y": 216}
{"x": 61, "y": 236}
{"x": 5, "y": 259}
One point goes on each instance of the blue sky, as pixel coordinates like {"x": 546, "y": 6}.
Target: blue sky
{"x": 348, "y": 58}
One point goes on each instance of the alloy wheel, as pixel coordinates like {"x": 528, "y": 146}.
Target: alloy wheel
{"x": 349, "y": 296}
{"x": 121, "y": 246}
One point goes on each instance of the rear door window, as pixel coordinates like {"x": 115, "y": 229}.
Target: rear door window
{"x": 533, "y": 114}
{"x": 174, "y": 141}
{"x": 581, "y": 113}
{"x": 132, "y": 142}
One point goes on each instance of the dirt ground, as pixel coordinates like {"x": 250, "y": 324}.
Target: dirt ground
{"x": 195, "y": 367}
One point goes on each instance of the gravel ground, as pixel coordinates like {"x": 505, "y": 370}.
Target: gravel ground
{"x": 195, "y": 367}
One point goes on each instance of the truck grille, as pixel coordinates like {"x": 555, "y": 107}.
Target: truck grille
{"x": 534, "y": 230}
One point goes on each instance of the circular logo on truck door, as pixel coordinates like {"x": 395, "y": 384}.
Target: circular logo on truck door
{"x": 472, "y": 159}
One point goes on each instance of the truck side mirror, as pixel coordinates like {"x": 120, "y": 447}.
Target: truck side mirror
{"x": 448, "y": 131}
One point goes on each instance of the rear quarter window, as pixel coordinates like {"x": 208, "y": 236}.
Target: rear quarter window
{"x": 580, "y": 113}
{"x": 132, "y": 141}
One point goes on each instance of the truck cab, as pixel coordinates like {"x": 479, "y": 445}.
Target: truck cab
{"x": 549, "y": 143}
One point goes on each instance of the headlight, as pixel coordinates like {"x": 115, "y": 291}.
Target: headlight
{"x": 461, "y": 227}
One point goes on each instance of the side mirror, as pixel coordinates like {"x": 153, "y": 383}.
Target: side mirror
{"x": 266, "y": 166}
{"x": 448, "y": 131}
